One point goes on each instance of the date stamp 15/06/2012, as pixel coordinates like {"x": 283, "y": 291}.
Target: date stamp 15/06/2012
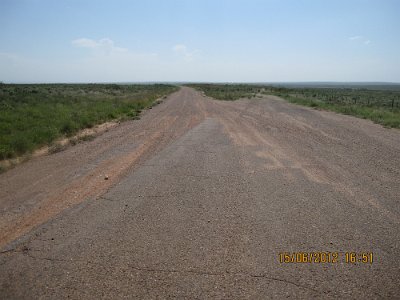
{"x": 321, "y": 257}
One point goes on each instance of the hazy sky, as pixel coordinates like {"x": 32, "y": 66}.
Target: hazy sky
{"x": 247, "y": 41}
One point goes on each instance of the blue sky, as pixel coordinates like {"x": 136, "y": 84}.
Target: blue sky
{"x": 219, "y": 40}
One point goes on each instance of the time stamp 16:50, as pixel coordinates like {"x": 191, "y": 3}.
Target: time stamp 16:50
{"x": 326, "y": 257}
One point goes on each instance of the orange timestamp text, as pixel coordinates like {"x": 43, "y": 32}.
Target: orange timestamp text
{"x": 326, "y": 257}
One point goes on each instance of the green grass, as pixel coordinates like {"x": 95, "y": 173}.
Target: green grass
{"x": 380, "y": 115}
{"x": 380, "y": 106}
{"x": 227, "y": 91}
{"x": 32, "y": 116}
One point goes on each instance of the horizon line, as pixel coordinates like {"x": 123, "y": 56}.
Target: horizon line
{"x": 206, "y": 82}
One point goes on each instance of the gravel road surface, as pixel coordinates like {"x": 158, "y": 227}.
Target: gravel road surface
{"x": 201, "y": 199}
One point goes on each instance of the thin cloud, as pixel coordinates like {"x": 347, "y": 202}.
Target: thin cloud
{"x": 361, "y": 39}
{"x": 9, "y": 55}
{"x": 357, "y": 37}
{"x": 105, "y": 45}
{"x": 182, "y": 50}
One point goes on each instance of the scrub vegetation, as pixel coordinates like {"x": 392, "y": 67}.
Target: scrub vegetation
{"x": 34, "y": 115}
{"x": 381, "y": 104}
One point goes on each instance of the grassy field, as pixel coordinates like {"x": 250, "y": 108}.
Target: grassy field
{"x": 32, "y": 116}
{"x": 379, "y": 105}
{"x": 228, "y": 91}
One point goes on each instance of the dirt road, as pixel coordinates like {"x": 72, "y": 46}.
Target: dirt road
{"x": 202, "y": 197}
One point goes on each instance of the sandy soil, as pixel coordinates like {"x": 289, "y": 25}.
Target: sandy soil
{"x": 35, "y": 191}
